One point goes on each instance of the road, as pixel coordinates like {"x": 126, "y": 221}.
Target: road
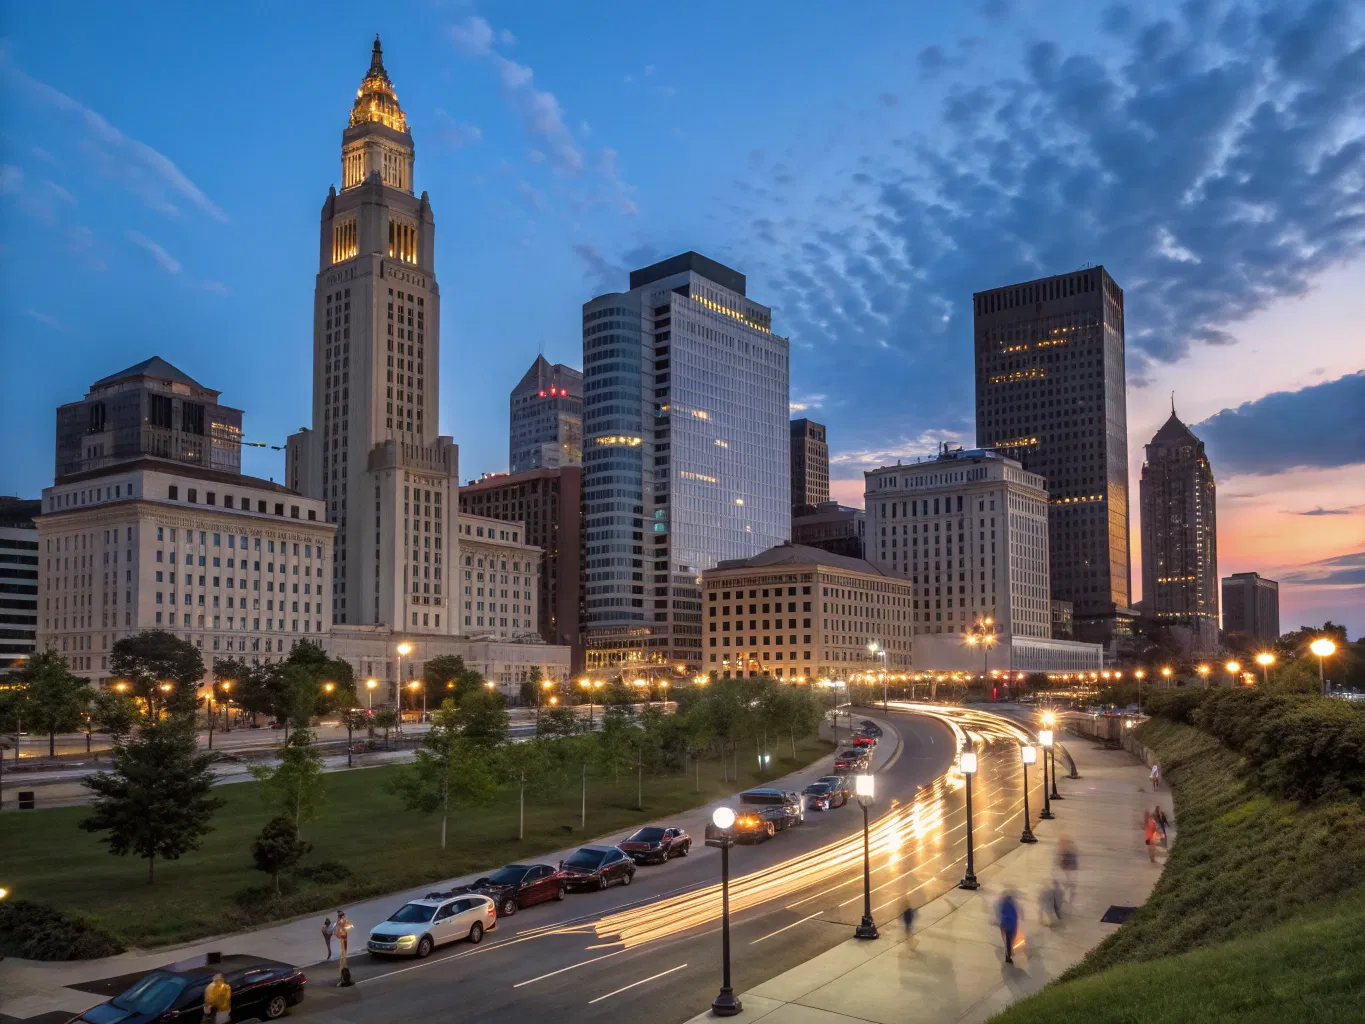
{"x": 652, "y": 950}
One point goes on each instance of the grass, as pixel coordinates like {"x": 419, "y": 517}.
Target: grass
{"x": 48, "y": 858}
{"x": 1258, "y": 914}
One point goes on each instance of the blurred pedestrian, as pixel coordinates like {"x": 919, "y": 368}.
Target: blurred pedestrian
{"x": 908, "y": 919}
{"x": 217, "y": 999}
{"x": 1162, "y": 822}
{"x": 1068, "y": 860}
{"x": 1150, "y": 834}
{"x": 1156, "y": 777}
{"x": 327, "y": 935}
{"x": 1007, "y": 915}
{"x": 1050, "y": 901}
{"x": 341, "y": 930}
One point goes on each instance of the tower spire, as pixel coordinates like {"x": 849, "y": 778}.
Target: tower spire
{"x": 1173, "y": 404}
{"x": 377, "y": 60}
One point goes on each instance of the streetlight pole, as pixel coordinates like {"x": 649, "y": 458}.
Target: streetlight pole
{"x": 1028, "y": 755}
{"x": 867, "y": 928}
{"x": 1265, "y": 659}
{"x": 1140, "y": 674}
{"x": 403, "y": 650}
{"x": 370, "y": 684}
{"x": 1050, "y": 750}
{"x": 726, "y": 1004}
{"x": 968, "y": 770}
{"x": 1045, "y": 738}
{"x": 1323, "y": 648}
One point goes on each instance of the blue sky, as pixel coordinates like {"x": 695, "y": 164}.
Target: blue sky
{"x": 163, "y": 167}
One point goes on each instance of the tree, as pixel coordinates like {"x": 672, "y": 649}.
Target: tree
{"x": 449, "y": 769}
{"x": 278, "y": 848}
{"x": 155, "y": 800}
{"x": 447, "y": 675}
{"x": 529, "y": 767}
{"x": 482, "y": 717}
{"x": 614, "y": 749}
{"x": 114, "y": 713}
{"x": 54, "y": 696}
{"x": 386, "y": 719}
{"x": 530, "y": 687}
{"x": 293, "y": 787}
{"x": 558, "y": 721}
{"x": 153, "y": 657}
{"x": 354, "y": 719}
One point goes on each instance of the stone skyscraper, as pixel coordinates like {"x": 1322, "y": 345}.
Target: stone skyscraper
{"x": 390, "y": 482}
{"x": 1179, "y": 536}
{"x": 810, "y": 463}
{"x": 546, "y": 422}
{"x": 1050, "y": 393}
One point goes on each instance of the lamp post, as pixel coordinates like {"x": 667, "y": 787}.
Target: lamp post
{"x": 867, "y": 928}
{"x": 1233, "y": 667}
{"x": 1204, "y": 671}
{"x": 1028, "y": 755}
{"x": 1045, "y": 738}
{"x": 983, "y": 635}
{"x": 545, "y": 686}
{"x": 1265, "y": 659}
{"x": 414, "y": 686}
{"x": 968, "y": 770}
{"x": 210, "y": 716}
{"x": 1166, "y": 674}
{"x": 1141, "y": 674}
{"x": 878, "y": 651}
{"x": 726, "y": 1004}
{"x": 226, "y": 684}
{"x": 1049, "y": 720}
{"x": 370, "y": 684}
{"x": 1323, "y": 648}
{"x": 404, "y": 649}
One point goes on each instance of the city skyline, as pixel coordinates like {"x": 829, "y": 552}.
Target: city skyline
{"x": 584, "y": 197}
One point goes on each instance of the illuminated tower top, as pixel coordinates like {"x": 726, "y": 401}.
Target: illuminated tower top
{"x": 377, "y": 140}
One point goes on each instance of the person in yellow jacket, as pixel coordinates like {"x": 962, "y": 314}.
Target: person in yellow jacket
{"x": 217, "y": 999}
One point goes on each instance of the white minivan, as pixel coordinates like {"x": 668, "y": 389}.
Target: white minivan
{"x": 416, "y": 928}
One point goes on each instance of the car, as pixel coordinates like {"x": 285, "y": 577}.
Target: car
{"x": 518, "y": 885}
{"x": 851, "y": 761}
{"x": 597, "y": 867}
{"x": 762, "y": 813}
{"x": 840, "y": 784}
{"x": 656, "y": 844}
{"x": 870, "y": 727}
{"x": 416, "y": 928}
{"x": 263, "y": 990}
{"x": 864, "y": 741}
{"x": 821, "y": 796}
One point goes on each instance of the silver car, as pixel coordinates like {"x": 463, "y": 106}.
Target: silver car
{"x": 416, "y": 928}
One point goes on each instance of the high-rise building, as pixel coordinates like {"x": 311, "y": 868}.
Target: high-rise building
{"x": 1251, "y": 609}
{"x": 810, "y": 463}
{"x": 547, "y": 418}
{"x": 831, "y": 527}
{"x": 1050, "y": 393}
{"x": 686, "y": 461}
{"x": 18, "y": 582}
{"x": 1180, "y": 536}
{"x": 969, "y": 529}
{"x": 374, "y": 454}
{"x": 548, "y": 504}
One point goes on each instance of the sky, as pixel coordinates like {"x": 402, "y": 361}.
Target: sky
{"x": 163, "y": 167}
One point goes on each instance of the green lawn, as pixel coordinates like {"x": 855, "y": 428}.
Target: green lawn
{"x": 48, "y": 858}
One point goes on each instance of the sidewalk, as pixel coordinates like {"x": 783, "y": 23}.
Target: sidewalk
{"x": 950, "y": 969}
{"x": 29, "y": 988}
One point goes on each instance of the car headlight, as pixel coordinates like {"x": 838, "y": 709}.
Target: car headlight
{"x": 407, "y": 940}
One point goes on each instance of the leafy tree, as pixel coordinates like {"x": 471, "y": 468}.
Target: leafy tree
{"x": 278, "y": 848}
{"x": 148, "y": 659}
{"x": 155, "y": 800}
{"x": 614, "y": 749}
{"x": 354, "y": 719}
{"x": 530, "y": 767}
{"x": 386, "y": 719}
{"x": 1296, "y": 676}
{"x": 558, "y": 721}
{"x": 293, "y": 787}
{"x": 114, "y": 713}
{"x": 482, "y": 717}
{"x": 447, "y": 669}
{"x": 54, "y": 696}
{"x": 449, "y": 769}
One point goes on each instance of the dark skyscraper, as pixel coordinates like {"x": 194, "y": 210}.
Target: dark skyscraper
{"x": 810, "y": 463}
{"x": 1179, "y": 536}
{"x": 1251, "y": 609}
{"x": 1050, "y": 393}
{"x": 546, "y": 418}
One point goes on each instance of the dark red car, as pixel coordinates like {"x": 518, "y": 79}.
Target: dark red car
{"x": 517, "y": 886}
{"x": 656, "y": 844}
{"x": 865, "y": 741}
{"x": 597, "y": 867}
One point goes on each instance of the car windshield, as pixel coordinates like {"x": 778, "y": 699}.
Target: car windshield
{"x": 510, "y": 875}
{"x": 585, "y": 860}
{"x": 852, "y": 753}
{"x": 818, "y": 788}
{"x": 413, "y": 913}
{"x": 152, "y": 994}
{"x": 761, "y": 799}
{"x": 831, "y": 780}
{"x": 647, "y": 835}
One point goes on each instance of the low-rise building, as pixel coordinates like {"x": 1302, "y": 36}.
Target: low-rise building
{"x": 499, "y": 578}
{"x": 829, "y": 526}
{"x": 1004, "y": 654}
{"x": 801, "y": 613}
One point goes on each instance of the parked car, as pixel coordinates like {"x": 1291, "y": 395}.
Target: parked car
{"x": 851, "y": 762}
{"x": 518, "y": 885}
{"x": 416, "y": 928}
{"x": 260, "y": 991}
{"x": 870, "y": 727}
{"x": 821, "y": 796}
{"x": 864, "y": 741}
{"x": 597, "y": 867}
{"x": 656, "y": 844}
{"x": 761, "y": 814}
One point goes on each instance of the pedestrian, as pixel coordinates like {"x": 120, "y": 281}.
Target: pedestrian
{"x": 1007, "y": 915}
{"x": 908, "y": 919}
{"x": 217, "y": 999}
{"x": 327, "y": 935}
{"x": 1068, "y": 861}
{"x": 1156, "y": 777}
{"x": 341, "y": 930}
{"x": 1050, "y": 901}
{"x": 1162, "y": 822}
{"x": 1149, "y": 833}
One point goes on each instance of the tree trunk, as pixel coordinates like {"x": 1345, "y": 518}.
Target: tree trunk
{"x": 276, "y": 879}
{"x": 521, "y": 809}
{"x": 793, "y": 735}
{"x": 151, "y": 862}
{"x": 445, "y": 808}
{"x": 585, "y": 796}
{"x": 724, "y": 764}
{"x": 639, "y": 782}
{"x": 698, "y": 756}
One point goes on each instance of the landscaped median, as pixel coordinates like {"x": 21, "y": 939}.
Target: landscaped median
{"x": 1259, "y": 914}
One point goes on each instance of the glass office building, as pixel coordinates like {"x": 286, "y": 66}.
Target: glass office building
{"x": 686, "y": 453}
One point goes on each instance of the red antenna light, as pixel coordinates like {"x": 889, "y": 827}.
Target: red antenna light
{"x": 542, "y": 394}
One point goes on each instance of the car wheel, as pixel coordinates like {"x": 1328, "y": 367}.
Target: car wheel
{"x": 424, "y": 947}
{"x": 559, "y": 893}
{"x": 627, "y": 878}
{"x": 601, "y": 882}
{"x": 476, "y": 933}
{"x": 507, "y": 907}
{"x": 769, "y": 830}
{"x": 276, "y": 1007}
{"x": 682, "y": 851}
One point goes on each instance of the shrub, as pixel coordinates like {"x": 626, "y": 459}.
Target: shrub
{"x": 1177, "y": 705}
{"x": 327, "y": 872}
{"x": 36, "y": 931}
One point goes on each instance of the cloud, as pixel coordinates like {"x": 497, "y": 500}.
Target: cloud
{"x": 805, "y": 403}
{"x": 456, "y": 134}
{"x": 216, "y": 287}
{"x": 541, "y": 115}
{"x": 150, "y": 175}
{"x": 888, "y": 99}
{"x": 46, "y": 319}
{"x": 474, "y": 36}
{"x": 11, "y": 179}
{"x": 1339, "y": 571}
{"x": 996, "y": 10}
{"x": 605, "y": 275}
{"x": 1321, "y": 425}
{"x": 907, "y": 449}
{"x": 164, "y": 260}
{"x": 1347, "y": 510}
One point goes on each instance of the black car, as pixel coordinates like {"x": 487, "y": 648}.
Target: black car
{"x": 761, "y": 815}
{"x": 840, "y": 785}
{"x": 854, "y": 760}
{"x": 656, "y": 844}
{"x": 870, "y": 728}
{"x": 262, "y": 991}
{"x": 821, "y": 796}
{"x": 597, "y": 867}
{"x": 518, "y": 885}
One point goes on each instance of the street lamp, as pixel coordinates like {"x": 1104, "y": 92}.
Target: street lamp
{"x": 867, "y": 928}
{"x": 403, "y": 649}
{"x": 878, "y": 651}
{"x": 1027, "y": 755}
{"x": 1049, "y": 720}
{"x": 726, "y": 1004}
{"x": 1166, "y": 674}
{"x": 1265, "y": 659}
{"x": 1323, "y": 648}
{"x": 370, "y": 684}
{"x": 969, "y": 881}
{"x": 1045, "y": 738}
{"x": 413, "y": 686}
{"x": 1233, "y": 668}
{"x": 226, "y": 684}
{"x": 1141, "y": 674}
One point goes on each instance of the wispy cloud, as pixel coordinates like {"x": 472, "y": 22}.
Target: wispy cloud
{"x": 1347, "y": 510}
{"x": 46, "y": 319}
{"x": 456, "y": 134}
{"x": 905, "y": 449}
{"x": 1346, "y": 570}
{"x": 164, "y": 260}
{"x": 805, "y": 402}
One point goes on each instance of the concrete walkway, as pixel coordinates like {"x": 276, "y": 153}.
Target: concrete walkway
{"x": 950, "y": 968}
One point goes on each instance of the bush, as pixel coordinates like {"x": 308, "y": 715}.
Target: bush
{"x": 1177, "y": 705}
{"x": 327, "y": 872}
{"x": 36, "y": 931}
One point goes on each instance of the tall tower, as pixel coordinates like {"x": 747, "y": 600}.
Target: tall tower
{"x": 1180, "y": 535}
{"x": 810, "y": 463}
{"x": 1050, "y": 392}
{"x": 546, "y": 418}
{"x": 374, "y": 453}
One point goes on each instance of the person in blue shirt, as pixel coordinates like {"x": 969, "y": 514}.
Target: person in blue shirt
{"x": 1007, "y": 914}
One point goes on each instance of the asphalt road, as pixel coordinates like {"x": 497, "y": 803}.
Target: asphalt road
{"x": 652, "y": 950}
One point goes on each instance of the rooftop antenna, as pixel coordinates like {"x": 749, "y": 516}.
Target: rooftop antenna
{"x": 1172, "y": 403}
